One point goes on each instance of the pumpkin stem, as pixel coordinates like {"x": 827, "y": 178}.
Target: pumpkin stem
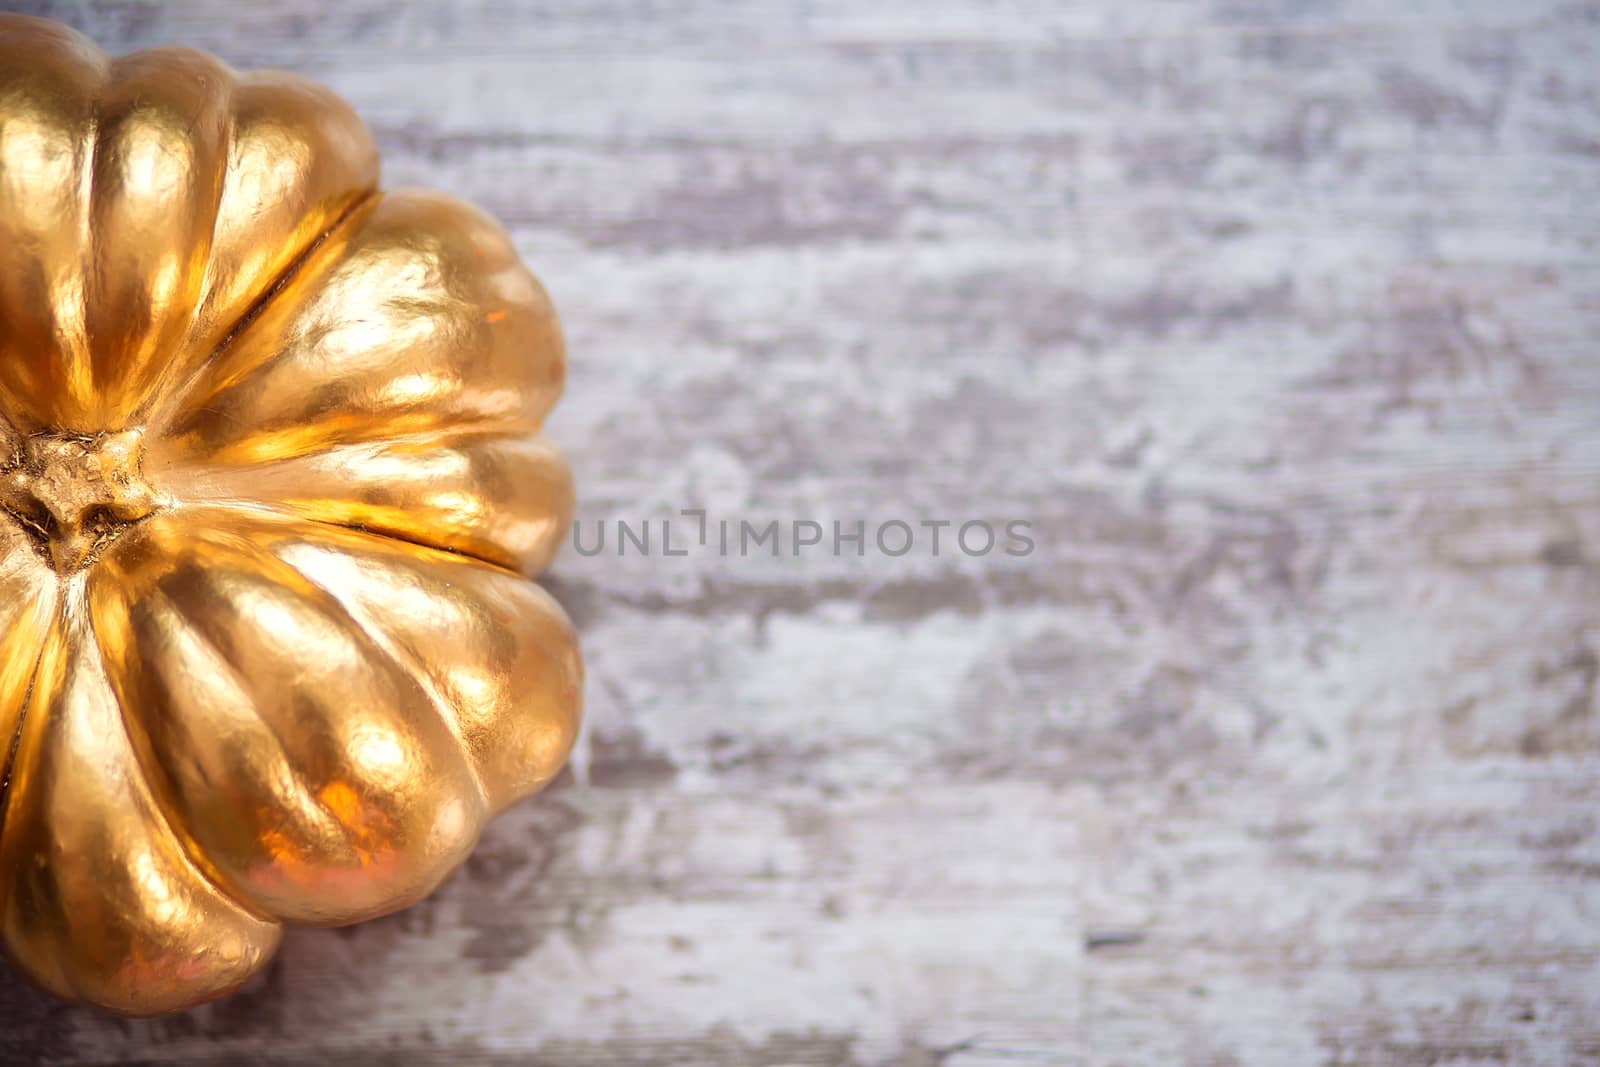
{"x": 75, "y": 492}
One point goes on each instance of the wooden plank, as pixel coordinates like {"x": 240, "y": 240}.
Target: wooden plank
{"x": 848, "y": 920}
{"x": 1275, "y": 320}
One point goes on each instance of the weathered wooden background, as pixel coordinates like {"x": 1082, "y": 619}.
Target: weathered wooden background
{"x": 1278, "y": 319}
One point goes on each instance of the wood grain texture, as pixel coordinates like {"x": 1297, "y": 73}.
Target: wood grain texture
{"x": 1276, "y": 318}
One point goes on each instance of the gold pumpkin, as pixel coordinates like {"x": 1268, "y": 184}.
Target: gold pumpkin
{"x": 272, "y": 492}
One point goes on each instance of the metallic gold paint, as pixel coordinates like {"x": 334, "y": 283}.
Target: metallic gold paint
{"x": 271, "y": 492}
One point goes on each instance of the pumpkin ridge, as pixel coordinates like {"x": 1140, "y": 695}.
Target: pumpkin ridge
{"x": 363, "y": 530}
{"x": 281, "y": 511}
{"x": 396, "y": 487}
{"x": 406, "y": 663}
{"x": 155, "y": 377}
{"x": 412, "y": 542}
{"x": 8, "y": 757}
{"x": 236, "y": 456}
{"x": 120, "y": 382}
{"x": 73, "y": 69}
{"x": 161, "y": 801}
{"x": 73, "y": 376}
{"x": 355, "y": 571}
{"x": 375, "y": 649}
{"x": 318, "y": 902}
{"x": 168, "y": 404}
{"x": 337, "y": 608}
{"x": 156, "y": 777}
{"x": 417, "y": 318}
{"x": 81, "y": 693}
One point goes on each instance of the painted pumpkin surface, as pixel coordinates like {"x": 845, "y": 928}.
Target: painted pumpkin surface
{"x": 272, "y": 490}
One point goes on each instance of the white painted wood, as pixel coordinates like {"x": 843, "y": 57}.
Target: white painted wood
{"x": 1277, "y": 319}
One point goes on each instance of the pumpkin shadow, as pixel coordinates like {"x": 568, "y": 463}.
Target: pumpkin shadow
{"x": 319, "y": 989}
{"x": 34, "y": 1027}
{"x": 37, "y": 1028}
